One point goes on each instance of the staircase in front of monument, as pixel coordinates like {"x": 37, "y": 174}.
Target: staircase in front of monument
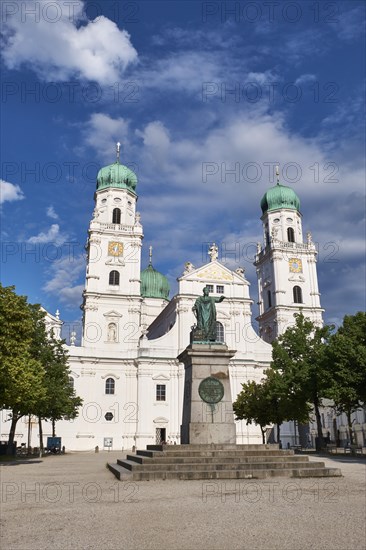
{"x": 217, "y": 462}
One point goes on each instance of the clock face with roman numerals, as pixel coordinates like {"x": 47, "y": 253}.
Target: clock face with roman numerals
{"x": 295, "y": 265}
{"x": 115, "y": 248}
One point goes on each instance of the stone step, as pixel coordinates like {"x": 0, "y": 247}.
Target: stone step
{"x": 133, "y": 466}
{"x": 214, "y": 453}
{"x": 140, "y": 459}
{"x": 120, "y": 472}
{"x": 232, "y": 474}
{"x": 320, "y": 472}
{"x": 214, "y": 447}
{"x": 160, "y": 462}
{"x": 128, "y": 464}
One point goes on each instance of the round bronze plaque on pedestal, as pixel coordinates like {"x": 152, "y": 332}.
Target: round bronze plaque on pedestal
{"x": 211, "y": 390}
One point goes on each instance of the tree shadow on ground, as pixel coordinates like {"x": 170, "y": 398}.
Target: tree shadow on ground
{"x": 22, "y": 461}
{"x": 360, "y": 459}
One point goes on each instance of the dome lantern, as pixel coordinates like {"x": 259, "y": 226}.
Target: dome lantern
{"x": 117, "y": 175}
{"x": 279, "y": 196}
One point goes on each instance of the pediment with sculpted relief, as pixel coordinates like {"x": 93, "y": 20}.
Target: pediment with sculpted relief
{"x": 214, "y": 272}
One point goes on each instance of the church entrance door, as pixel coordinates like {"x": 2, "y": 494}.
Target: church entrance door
{"x": 160, "y": 435}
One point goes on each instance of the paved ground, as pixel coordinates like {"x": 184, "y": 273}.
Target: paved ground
{"x": 74, "y": 502}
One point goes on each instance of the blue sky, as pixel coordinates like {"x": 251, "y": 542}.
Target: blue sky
{"x": 192, "y": 90}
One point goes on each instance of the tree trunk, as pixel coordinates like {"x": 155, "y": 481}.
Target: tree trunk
{"x": 279, "y": 434}
{"x": 320, "y": 440}
{"x": 29, "y": 433}
{"x": 53, "y": 428}
{"x": 14, "y": 421}
{"x": 263, "y": 435}
{"x": 41, "y": 449}
{"x": 350, "y": 429}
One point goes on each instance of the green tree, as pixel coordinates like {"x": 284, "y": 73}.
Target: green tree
{"x": 270, "y": 402}
{"x": 284, "y": 403}
{"x": 34, "y": 374}
{"x": 21, "y": 374}
{"x": 299, "y": 356}
{"x": 59, "y": 400}
{"x": 346, "y": 355}
{"x": 251, "y": 405}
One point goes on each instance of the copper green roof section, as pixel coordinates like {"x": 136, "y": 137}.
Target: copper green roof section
{"x": 116, "y": 175}
{"x": 280, "y": 196}
{"x": 154, "y": 284}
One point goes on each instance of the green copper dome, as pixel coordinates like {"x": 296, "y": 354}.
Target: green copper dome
{"x": 116, "y": 175}
{"x": 154, "y": 284}
{"x": 280, "y": 196}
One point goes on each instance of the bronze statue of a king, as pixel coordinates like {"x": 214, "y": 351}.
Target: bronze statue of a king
{"x": 205, "y": 312}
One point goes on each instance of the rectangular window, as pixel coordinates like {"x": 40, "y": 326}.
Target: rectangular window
{"x": 210, "y": 288}
{"x": 220, "y": 289}
{"x": 160, "y": 392}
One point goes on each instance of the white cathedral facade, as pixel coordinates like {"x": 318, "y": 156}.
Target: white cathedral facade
{"x": 126, "y": 369}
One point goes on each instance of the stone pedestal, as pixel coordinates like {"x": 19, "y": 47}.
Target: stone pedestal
{"x": 205, "y": 423}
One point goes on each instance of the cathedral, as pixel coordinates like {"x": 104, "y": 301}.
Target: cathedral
{"x": 126, "y": 369}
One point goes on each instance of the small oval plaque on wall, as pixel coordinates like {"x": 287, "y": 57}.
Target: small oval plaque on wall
{"x": 211, "y": 390}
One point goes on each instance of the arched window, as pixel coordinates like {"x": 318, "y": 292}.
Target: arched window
{"x": 297, "y": 295}
{"x": 114, "y": 278}
{"x": 71, "y": 382}
{"x": 220, "y": 334}
{"x": 269, "y": 298}
{"x": 116, "y": 217}
{"x": 290, "y": 235}
{"x": 109, "y": 386}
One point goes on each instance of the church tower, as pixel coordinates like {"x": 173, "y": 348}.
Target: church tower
{"x": 112, "y": 298}
{"x": 286, "y": 265}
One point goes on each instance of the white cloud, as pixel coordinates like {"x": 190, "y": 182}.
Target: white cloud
{"x": 264, "y": 78}
{"x": 10, "y": 192}
{"x": 156, "y": 140}
{"x": 58, "y": 46}
{"x": 72, "y": 296}
{"x": 350, "y": 23}
{"x": 201, "y": 38}
{"x": 53, "y": 235}
{"x": 186, "y": 72}
{"x": 239, "y": 140}
{"x": 64, "y": 274}
{"x": 304, "y": 43}
{"x": 51, "y": 213}
{"x": 304, "y": 78}
{"x": 343, "y": 288}
{"x": 101, "y": 132}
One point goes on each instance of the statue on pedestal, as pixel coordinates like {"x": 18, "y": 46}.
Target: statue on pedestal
{"x": 205, "y": 312}
{"x": 213, "y": 252}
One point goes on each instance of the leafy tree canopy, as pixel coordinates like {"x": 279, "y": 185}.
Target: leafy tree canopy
{"x": 34, "y": 374}
{"x": 21, "y": 373}
{"x": 346, "y": 354}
